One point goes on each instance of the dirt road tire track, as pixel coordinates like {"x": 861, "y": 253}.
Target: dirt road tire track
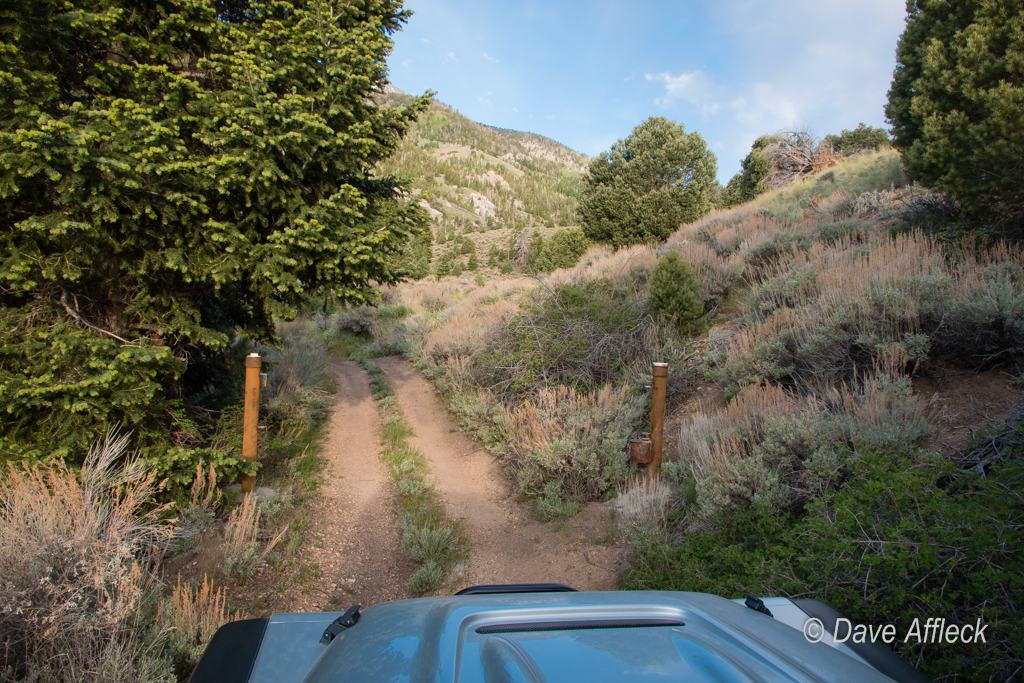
{"x": 507, "y": 544}
{"x": 356, "y": 521}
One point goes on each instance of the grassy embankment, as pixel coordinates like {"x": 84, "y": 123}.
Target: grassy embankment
{"x": 816, "y": 478}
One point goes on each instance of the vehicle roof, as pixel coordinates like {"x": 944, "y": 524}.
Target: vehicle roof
{"x": 557, "y": 637}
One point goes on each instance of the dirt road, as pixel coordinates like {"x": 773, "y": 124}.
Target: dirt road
{"x": 355, "y": 551}
{"x": 357, "y": 541}
{"x": 507, "y": 544}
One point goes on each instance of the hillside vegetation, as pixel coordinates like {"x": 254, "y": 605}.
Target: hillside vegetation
{"x": 475, "y": 177}
{"x": 818, "y": 476}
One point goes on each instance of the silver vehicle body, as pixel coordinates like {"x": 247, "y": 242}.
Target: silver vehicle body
{"x": 600, "y": 636}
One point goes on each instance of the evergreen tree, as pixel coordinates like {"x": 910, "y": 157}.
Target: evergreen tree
{"x": 957, "y": 101}
{"x": 675, "y": 293}
{"x": 860, "y": 139}
{"x": 168, "y": 176}
{"x": 565, "y": 247}
{"x": 473, "y": 264}
{"x": 443, "y": 266}
{"x": 647, "y": 185}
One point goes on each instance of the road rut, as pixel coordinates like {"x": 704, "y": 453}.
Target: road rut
{"x": 507, "y": 544}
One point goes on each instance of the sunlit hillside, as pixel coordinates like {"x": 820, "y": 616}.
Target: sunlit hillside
{"x": 821, "y": 424}
{"x": 477, "y": 178}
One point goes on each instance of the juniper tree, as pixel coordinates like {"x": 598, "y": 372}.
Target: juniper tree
{"x": 675, "y": 293}
{"x": 169, "y": 175}
{"x": 957, "y": 101}
{"x": 648, "y": 185}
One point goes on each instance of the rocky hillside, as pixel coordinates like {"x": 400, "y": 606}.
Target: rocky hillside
{"x": 476, "y": 178}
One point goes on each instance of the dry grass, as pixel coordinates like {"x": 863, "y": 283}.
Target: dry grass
{"x": 241, "y": 549}
{"x": 190, "y": 616}
{"x": 195, "y": 517}
{"x": 642, "y": 498}
{"x": 76, "y": 586}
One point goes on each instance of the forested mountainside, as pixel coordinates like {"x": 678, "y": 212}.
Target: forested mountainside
{"x": 479, "y": 177}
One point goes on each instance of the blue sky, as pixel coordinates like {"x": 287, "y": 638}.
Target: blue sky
{"x": 586, "y": 73}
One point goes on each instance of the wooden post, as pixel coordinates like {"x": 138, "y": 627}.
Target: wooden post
{"x": 250, "y": 415}
{"x": 660, "y": 373}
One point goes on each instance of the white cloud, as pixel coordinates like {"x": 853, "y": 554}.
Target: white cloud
{"x": 515, "y": 110}
{"x": 550, "y": 117}
{"x": 451, "y": 56}
{"x": 794, "y": 64}
{"x": 484, "y": 101}
{"x": 489, "y": 58}
{"x": 693, "y": 87}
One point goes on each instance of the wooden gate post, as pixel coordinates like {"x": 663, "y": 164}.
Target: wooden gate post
{"x": 658, "y": 386}
{"x": 250, "y": 415}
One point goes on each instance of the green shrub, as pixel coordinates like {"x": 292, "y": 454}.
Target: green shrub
{"x": 675, "y": 294}
{"x": 829, "y": 316}
{"x": 551, "y": 506}
{"x": 861, "y": 139}
{"x": 907, "y": 536}
{"x": 430, "y": 544}
{"x": 427, "y": 578}
{"x": 567, "y": 446}
{"x": 957, "y": 106}
{"x": 565, "y": 247}
{"x": 779, "y": 245}
{"x": 773, "y": 448}
{"x": 843, "y": 229}
{"x": 579, "y": 335}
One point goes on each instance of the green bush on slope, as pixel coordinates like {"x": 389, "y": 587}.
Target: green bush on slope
{"x": 582, "y": 336}
{"x": 674, "y": 294}
{"x": 906, "y": 536}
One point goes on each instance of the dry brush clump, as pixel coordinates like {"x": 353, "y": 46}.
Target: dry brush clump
{"x": 567, "y": 444}
{"x": 777, "y": 448}
{"x": 796, "y": 154}
{"x": 816, "y": 316}
{"x": 76, "y": 588}
{"x": 241, "y": 550}
{"x": 299, "y": 381}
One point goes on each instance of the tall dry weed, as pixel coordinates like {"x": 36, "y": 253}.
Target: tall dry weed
{"x": 190, "y": 616}
{"x": 241, "y": 548}
{"x": 196, "y": 516}
{"x": 75, "y": 588}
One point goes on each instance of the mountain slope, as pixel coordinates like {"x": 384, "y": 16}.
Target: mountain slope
{"x": 475, "y": 177}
